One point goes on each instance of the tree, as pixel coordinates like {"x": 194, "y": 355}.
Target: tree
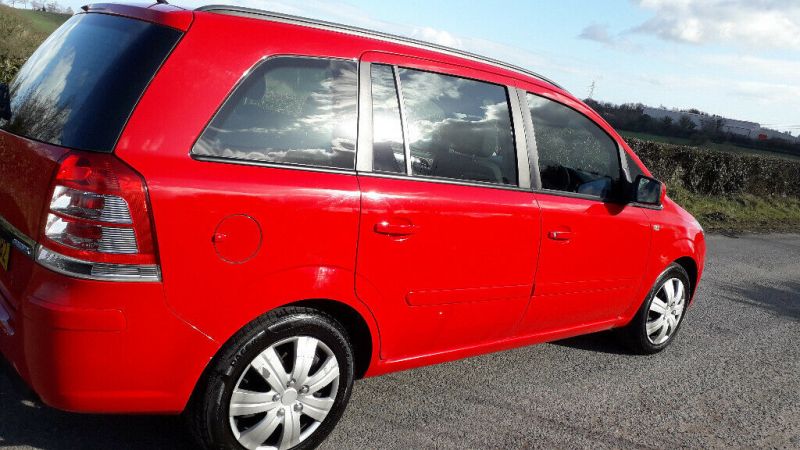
{"x": 666, "y": 125}
{"x": 686, "y": 126}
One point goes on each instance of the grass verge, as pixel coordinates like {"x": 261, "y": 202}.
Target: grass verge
{"x": 741, "y": 213}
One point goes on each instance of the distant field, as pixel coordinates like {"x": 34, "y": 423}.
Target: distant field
{"x": 729, "y": 148}
{"x": 41, "y": 21}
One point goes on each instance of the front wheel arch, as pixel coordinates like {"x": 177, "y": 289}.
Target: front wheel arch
{"x": 690, "y": 266}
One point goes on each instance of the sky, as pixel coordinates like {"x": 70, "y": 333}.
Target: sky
{"x": 735, "y": 58}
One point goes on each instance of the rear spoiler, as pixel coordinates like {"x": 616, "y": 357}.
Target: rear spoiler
{"x": 158, "y": 13}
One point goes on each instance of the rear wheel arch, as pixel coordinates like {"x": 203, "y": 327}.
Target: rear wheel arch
{"x": 358, "y": 329}
{"x": 362, "y": 334}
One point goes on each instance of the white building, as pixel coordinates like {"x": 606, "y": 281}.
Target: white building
{"x": 752, "y": 130}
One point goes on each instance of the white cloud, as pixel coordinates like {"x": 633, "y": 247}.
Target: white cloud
{"x": 752, "y": 23}
{"x": 601, "y": 33}
{"x": 597, "y": 32}
{"x": 435, "y": 36}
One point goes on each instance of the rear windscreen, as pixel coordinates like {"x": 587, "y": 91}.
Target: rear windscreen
{"x": 79, "y": 88}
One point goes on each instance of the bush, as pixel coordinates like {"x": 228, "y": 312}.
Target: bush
{"x": 716, "y": 173}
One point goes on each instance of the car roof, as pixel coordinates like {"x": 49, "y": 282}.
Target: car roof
{"x": 363, "y": 32}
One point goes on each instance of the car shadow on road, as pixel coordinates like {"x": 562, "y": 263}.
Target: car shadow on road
{"x": 24, "y": 422}
{"x": 781, "y": 299}
{"x": 603, "y": 342}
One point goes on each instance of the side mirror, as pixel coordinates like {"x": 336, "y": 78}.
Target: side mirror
{"x": 648, "y": 191}
{"x": 5, "y": 102}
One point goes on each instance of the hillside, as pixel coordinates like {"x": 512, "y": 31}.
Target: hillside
{"x": 41, "y": 21}
{"x": 21, "y": 31}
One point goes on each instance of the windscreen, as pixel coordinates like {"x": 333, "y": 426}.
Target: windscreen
{"x": 81, "y": 85}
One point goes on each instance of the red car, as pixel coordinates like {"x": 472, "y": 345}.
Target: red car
{"x": 234, "y": 214}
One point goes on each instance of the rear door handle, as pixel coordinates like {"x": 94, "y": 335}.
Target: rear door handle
{"x": 394, "y": 228}
{"x": 560, "y": 235}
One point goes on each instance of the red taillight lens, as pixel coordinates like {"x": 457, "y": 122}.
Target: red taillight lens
{"x": 99, "y": 216}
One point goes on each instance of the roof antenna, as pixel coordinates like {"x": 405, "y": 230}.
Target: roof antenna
{"x": 162, "y": 2}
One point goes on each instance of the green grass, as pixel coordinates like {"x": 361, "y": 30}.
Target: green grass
{"x": 724, "y": 147}
{"x": 741, "y": 213}
{"x": 41, "y": 21}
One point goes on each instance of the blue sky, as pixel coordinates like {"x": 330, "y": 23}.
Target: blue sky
{"x": 736, "y": 58}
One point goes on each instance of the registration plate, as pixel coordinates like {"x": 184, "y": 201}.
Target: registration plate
{"x": 5, "y": 253}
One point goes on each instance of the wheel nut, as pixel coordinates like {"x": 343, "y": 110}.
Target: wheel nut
{"x": 281, "y": 412}
{"x": 276, "y": 398}
{"x": 304, "y": 390}
{"x": 298, "y": 407}
{"x": 291, "y": 382}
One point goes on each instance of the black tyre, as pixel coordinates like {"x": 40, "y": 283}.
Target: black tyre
{"x": 281, "y": 382}
{"x": 660, "y": 317}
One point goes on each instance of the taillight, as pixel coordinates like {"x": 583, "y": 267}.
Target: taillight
{"x": 98, "y": 222}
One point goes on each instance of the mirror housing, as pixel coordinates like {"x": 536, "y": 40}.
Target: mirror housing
{"x": 5, "y": 102}
{"x": 648, "y": 191}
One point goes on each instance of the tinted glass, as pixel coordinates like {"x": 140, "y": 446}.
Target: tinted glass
{"x": 387, "y": 129}
{"x": 458, "y": 128}
{"x": 575, "y": 155}
{"x": 292, "y": 111}
{"x": 79, "y": 88}
{"x": 633, "y": 168}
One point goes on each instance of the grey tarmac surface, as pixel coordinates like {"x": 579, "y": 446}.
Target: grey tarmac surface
{"x": 731, "y": 379}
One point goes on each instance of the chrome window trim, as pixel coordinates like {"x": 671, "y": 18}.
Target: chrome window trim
{"x": 364, "y": 154}
{"x": 520, "y": 139}
{"x": 403, "y": 121}
{"x": 441, "y": 180}
{"x": 253, "y": 162}
{"x": 363, "y": 32}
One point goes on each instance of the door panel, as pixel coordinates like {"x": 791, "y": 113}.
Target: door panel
{"x": 593, "y": 257}
{"x": 458, "y": 272}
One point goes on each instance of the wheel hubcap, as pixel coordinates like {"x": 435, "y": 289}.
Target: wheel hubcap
{"x": 285, "y": 394}
{"x": 666, "y": 311}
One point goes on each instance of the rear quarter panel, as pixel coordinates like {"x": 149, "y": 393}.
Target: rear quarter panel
{"x": 308, "y": 219}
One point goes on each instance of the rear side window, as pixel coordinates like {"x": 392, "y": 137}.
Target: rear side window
{"x": 458, "y": 128}
{"x": 292, "y": 111}
{"x": 79, "y": 88}
{"x": 387, "y": 129}
{"x": 575, "y": 155}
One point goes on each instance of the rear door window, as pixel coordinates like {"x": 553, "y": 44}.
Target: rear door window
{"x": 79, "y": 88}
{"x": 575, "y": 155}
{"x": 289, "y": 110}
{"x": 458, "y": 128}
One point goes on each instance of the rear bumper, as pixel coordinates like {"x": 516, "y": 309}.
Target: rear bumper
{"x": 111, "y": 347}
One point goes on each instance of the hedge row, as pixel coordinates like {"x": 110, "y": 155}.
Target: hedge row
{"x": 713, "y": 172}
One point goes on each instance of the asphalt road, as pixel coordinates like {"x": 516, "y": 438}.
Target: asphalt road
{"x": 731, "y": 379}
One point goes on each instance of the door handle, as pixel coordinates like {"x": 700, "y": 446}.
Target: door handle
{"x": 394, "y": 228}
{"x": 560, "y": 235}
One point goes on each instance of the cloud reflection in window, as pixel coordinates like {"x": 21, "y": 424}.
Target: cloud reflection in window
{"x": 289, "y": 110}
